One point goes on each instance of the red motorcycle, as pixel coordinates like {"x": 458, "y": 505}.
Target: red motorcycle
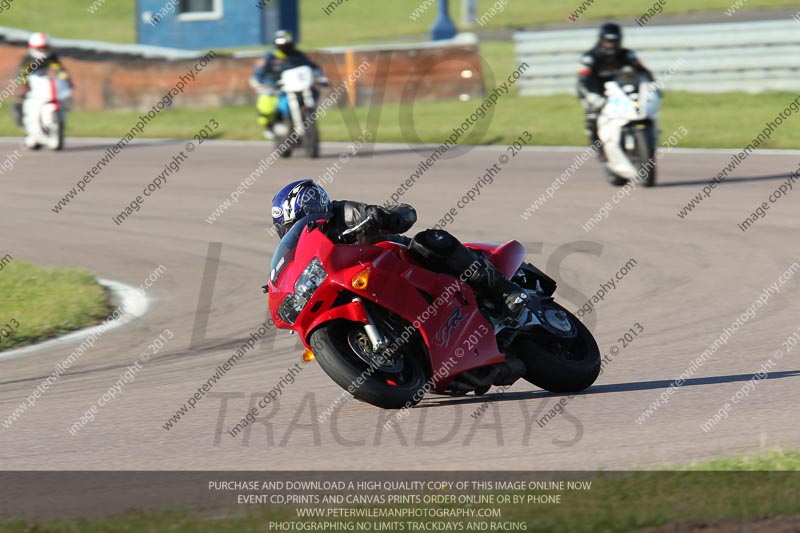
{"x": 388, "y": 329}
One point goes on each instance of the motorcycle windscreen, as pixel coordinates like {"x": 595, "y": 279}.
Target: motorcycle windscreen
{"x": 284, "y": 253}
{"x": 49, "y": 89}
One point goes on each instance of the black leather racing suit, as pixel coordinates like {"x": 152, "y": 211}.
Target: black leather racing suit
{"x": 596, "y": 68}
{"x": 268, "y": 71}
{"x": 438, "y": 250}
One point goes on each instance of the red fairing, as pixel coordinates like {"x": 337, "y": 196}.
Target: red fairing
{"x": 506, "y": 257}
{"x": 442, "y": 307}
{"x": 54, "y": 94}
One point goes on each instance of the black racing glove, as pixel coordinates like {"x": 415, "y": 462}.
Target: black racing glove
{"x": 397, "y": 219}
{"x": 378, "y": 218}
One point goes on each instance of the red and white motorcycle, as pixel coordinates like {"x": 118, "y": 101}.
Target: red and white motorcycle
{"x": 387, "y": 329}
{"x": 45, "y": 108}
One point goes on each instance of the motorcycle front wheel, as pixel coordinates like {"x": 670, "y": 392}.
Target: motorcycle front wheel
{"x": 342, "y": 349}
{"x": 645, "y": 155}
{"x": 559, "y": 364}
{"x": 283, "y": 149}
{"x": 615, "y": 180}
{"x": 311, "y": 140}
{"x": 283, "y": 139}
{"x": 57, "y": 136}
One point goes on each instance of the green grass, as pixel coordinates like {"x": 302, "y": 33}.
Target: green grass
{"x": 353, "y": 22}
{"x": 552, "y": 120}
{"x": 615, "y": 502}
{"x": 69, "y": 19}
{"x": 171, "y": 521}
{"x": 772, "y": 461}
{"x": 500, "y": 58}
{"x": 46, "y": 302}
{"x": 348, "y": 19}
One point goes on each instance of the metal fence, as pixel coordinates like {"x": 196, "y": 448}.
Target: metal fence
{"x": 706, "y": 58}
{"x": 96, "y": 50}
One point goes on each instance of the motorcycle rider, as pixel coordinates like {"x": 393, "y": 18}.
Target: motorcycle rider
{"x": 268, "y": 72}
{"x": 599, "y": 65}
{"x": 437, "y": 249}
{"x": 40, "y": 56}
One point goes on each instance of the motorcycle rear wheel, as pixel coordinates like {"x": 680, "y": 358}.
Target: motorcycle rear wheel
{"x": 560, "y": 365}
{"x": 340, "y": 362}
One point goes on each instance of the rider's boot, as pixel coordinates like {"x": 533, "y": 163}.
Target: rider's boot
{"x": 484, "y": 276}
{"x": 268, "y": 133}
{"x": 30, "y": 142}
{"x": 445, "y": 253}
{"x": 17, "y": 110}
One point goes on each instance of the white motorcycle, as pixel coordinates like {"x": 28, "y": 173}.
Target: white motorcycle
{"x": 45, "y": 109}
{"x": 628, "y": 128}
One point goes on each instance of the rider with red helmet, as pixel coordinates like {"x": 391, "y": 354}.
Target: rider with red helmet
{"x": 40, "y": 57}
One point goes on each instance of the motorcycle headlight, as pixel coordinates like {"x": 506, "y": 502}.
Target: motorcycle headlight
{"x": 304, "y": 288}
{"x": 310, "y": 279}
{"x": 290, "y": 308}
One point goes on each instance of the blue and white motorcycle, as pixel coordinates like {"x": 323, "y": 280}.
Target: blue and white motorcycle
{"x": 296, "y": 125}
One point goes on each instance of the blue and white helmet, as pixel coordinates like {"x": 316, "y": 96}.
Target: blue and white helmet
{"x": 297, "y": 200}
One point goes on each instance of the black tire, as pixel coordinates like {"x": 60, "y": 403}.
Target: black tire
{"x": 283, "y": 145}
{"x": 342, "y": 365}
{"x": 283, "y": 148}
{"x": 551, "y": 369}
{"x": 60, "y": 126}
{"x": 311, "y": 140}
{"x": 645, "y": 155}
{"x": 615, "y": 180}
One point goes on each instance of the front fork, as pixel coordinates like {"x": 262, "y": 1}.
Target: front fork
{"x": 379, "y": 343}
{"x": 297, "y": 114}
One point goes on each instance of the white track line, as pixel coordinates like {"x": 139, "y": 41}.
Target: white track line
{"x": 134, "y": 303}
{"x": 341, "y": 145}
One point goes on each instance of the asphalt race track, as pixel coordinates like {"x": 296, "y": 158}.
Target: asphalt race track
{"x": 691, "y": 279}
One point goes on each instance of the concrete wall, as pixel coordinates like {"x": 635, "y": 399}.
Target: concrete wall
{"x": 414, "y": 73}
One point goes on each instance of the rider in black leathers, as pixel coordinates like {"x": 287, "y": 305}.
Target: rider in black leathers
{"x": 599, "y": 65}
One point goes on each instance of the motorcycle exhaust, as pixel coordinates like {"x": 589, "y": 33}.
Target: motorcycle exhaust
{"x": 477, "y": 382}
{"x": 503, "y": 374}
